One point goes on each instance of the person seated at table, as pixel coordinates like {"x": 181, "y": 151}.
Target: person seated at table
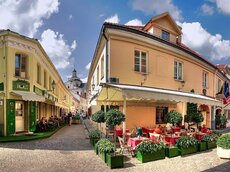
{"x": 204, "y": 129}
{"x": 158, "y": 130}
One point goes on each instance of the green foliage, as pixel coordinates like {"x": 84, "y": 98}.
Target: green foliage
{"x": 104, "y": 145}
{"x": 223, "y": 120}
{"x": 224, "y": 141}
{"x": 174, "y": 117}
{"x": 114, "y": 117}
{"x": 146, "y": 147}
{"x": 191, "y": 108}
{"x": 95, "y": 134}
{"x": 186, "y": 142}
{"x": 99, "y": 116}
{"x": 217, "y": 119}
{"x": 197, "y": 117}
{"x": 187, "y": 118}
{"x": 212, "y": 137}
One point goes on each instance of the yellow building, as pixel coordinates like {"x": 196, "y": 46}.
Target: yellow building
{"x": 147, "y": 71}
{"x": 30, "y": 86}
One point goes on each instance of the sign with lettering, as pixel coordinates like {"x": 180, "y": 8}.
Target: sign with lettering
{"x": 38, "y": 91}
{"x": 21, "y": 85}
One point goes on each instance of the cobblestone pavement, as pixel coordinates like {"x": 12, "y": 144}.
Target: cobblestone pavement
{"x": 69, "y": 150}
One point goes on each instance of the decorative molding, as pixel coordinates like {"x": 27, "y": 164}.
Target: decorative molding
{"x": 21, "y": 85}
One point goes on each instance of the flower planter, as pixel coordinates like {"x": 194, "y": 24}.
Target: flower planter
{"x": 151, "y": 156}
{"x": 114, "y": 161}
{"x": 95, "y": 149}
{"x": 93, "y": 141}
{"x": 189, "y": 150}
{"x": 202, "y": 146}
{"x": 223, "y": 153}
{"x": 211, "y": 145}
{"x": 102, "y": 155}
{"x": 172, "y": 151}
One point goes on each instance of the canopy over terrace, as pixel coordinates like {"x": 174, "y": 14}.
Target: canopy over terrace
{"x": 111, "y": 94}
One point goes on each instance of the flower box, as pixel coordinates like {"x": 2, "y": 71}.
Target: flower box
{"x": 171, "y": 151}
{"x": 202, "y": 146}
{"x": 189, "y": 150}
{"x": 95, "y": 149}
{"x": 93, "y": 141}
{"x": 211, "y": 145}
{"x": 102, "y": 155}
{"x": 151, "y": 156}
{"x": 115, "y": 160}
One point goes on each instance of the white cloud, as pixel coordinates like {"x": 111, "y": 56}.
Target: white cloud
{"x": 207, "y": 10}
{"x": 223, "y": 6}
{"x": 26, "y": 16}
{"x": 101, "y": 15}
{"x": 158, "y": 7}
{"x": 84, "y": 80}
{"x": 70, "y": 17}
{"x": 57, "y": 48}
{"x": 113, "y": 19}
{"x": 134, "y": 22}
{"x": 87, "y": 67}
{"x": 210, "y": 46}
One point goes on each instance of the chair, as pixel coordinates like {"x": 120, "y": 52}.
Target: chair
{"x": 124, "y": 147}
{"x": 157, "y": 136}
{"x": 109, "y": 134}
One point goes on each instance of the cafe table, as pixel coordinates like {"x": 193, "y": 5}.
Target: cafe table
{"x": 171, "y": 138}
{"x": 119, "y": 132}
{"x": 133, "y": 142}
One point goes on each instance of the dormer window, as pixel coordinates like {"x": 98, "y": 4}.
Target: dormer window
{"x": 165, "y": 35}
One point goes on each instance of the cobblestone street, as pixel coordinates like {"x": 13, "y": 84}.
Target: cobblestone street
{"x": 69, "y": 150}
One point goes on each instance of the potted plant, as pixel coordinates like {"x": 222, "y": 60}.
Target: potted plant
{"x": 211, "y": 139}
{"x": 187, "y": 145}
{"x": 94, "y": 136}
{"x": 150, "y": 151}
{"x": 202, "y": 145}
{"x": 217, "y": 121}
{"x": 171, "y": 151}
{"x": 174, "y": 117}
{"x": 114, "y": 117}
{"x": 115, "y": 160}
{"x": 223, "y": 146}
{"x": 197, "y": 118}
{"x": 76, "y": 119}
{"x": 104, "y": 146}
{"x": 223, "y": 121}
{"x": 99, "y": 117}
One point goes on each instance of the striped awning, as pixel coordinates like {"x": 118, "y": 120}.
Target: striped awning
{"x": 28, "y": 96}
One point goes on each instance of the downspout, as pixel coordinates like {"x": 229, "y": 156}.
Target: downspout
{"x": 106, "y": 57}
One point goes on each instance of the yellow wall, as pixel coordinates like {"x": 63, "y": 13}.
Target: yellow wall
{"x": 160, "y": 67}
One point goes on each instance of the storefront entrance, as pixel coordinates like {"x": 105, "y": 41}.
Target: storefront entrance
{"x": 20, "y": 114}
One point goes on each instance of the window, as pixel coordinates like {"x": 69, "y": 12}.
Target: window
{"x": 98, "y": 75}
{"x": 45, "y": 79}
{"x": 38, "y": 74}
{"x": 165, "y": 35}
{"x": 178, "y": 70}
{"x": 102, "y": 67}
{"x": 140, "y": 61}
{"x": 161, "y": 114}
{"x": 20, "y": 65}
{"x": 205, "y": 80}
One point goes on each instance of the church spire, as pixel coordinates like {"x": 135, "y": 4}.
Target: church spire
{"x": 74, "y": 73}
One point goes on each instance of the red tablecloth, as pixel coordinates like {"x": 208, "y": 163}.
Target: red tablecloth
{"x": 133, "y": 142}
{"x": 176, "y": 129}
{"x": 200, "y": 135}
{"x": 171, "y": 139}
{"x": 147, "y": 130}
{"x": 119, "y": 132}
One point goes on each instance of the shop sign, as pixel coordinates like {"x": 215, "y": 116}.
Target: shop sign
{"x": 38, "y": 91}
{"x": 21, "y": 85}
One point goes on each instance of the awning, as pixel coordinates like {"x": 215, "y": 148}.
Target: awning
{"x": 29, "y": 96}
{"x": 116, "y": 92}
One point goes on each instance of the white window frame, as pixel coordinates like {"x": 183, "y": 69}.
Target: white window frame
{"x": 177, "y": 75}
{"x": 140, "y": 60}
{"x": 205, "y": 79}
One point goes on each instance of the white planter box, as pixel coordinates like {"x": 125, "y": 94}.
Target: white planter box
{"x": 223, "y": 153}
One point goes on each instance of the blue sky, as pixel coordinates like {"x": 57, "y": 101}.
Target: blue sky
{"x": 68, "y": 29}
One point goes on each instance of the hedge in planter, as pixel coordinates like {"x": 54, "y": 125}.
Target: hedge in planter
{"x": 105, "y": 146}
{"x": 211, "y": 139}
{"x": 202, "y": 146}
{"x": 223, "y": 146}
{"x": 114, "y": 160}
{"x": 150, "y": 151}
{"x": 174, "y": 117}
{"x": 99, "y": 117}
{"x": 171, "y": 151}
{"x": 94, "y": 136}
{"x": 187, "y": 145}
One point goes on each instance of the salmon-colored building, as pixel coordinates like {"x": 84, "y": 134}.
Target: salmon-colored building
{"x": 147, "y": 71}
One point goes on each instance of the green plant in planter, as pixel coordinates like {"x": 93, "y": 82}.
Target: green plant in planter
{"x": 150, "y": 151}
{"x": 211, "y": 139}
{"x": 115, "y": 160}
{"x": 94, "y": 136}
{"x": 114, "y": 117}
{"x": 217, "y": 120}
{"x": 174, "y": 117}
{"x": 187, "y": 145}
{"x": 223, "y": 121}
{"x": 99, "y": 117}
{"x": 197, "y": 118}
{"x": 105, "y": 146}
{"x": 224, "y": 141}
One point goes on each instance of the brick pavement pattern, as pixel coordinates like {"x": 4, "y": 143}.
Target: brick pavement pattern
{"x": 69, "y": 150}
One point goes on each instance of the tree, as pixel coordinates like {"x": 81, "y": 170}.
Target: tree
{"x": 174, "y": 117}
{"x": 197, "y": 118}
{"x": 99, "y": 117}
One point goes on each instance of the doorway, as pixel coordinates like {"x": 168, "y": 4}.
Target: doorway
{"x": 20, "y": 114}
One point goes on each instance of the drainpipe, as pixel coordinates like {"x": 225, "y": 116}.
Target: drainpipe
{"x": 5, "y": 80}
{"x": 106, "y": 57}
